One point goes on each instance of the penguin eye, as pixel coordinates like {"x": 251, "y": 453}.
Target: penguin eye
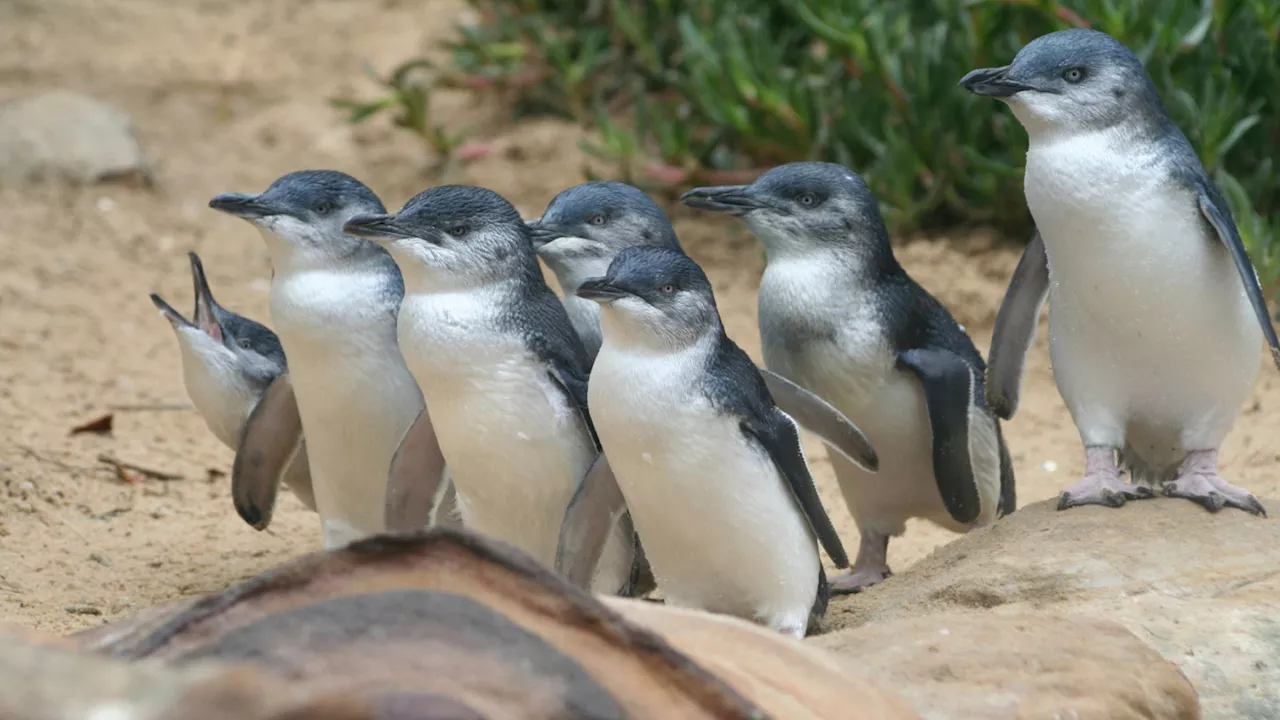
{"x": 807, "y": 199}
{"x": 667, "y": 289}
{"x": 457, "y": 230}
{"x": 1073, "y": 75}
{"x": 324, "y": 208}
{"x": 243, "y": 343}
{"x": 598, "y": 220}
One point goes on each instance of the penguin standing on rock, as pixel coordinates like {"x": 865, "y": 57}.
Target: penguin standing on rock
{"x": 1155, "y": 312}
{"x": 840, "y": 317}
{"x": 712, "y": 471}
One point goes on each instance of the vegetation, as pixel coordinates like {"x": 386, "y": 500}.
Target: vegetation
{"x": 692, "y": 91}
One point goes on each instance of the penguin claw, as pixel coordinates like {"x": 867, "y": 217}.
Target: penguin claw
{"x": 1108, "y": 492}
{"x": 1211, "y": 492}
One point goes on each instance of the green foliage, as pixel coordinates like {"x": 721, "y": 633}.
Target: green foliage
{"x": 408, "y": 90}
{"x": 684, "y": 91}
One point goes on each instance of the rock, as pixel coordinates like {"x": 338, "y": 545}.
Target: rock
{"x": 990, "y": 667}
{"x": 67, "y": 136}
{"x": 785, "y": 677}
{"x": 1197, "y": 587}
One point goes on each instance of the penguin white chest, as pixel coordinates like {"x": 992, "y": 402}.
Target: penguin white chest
{"x": 515, "y": 447}
{"x": 221, "y": 393}
{"x": 1150, "y": 330}
{"x": 355, "y": 395}
{"x": 718, "y": 523}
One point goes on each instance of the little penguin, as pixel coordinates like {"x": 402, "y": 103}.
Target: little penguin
{"x": 840, "y": 317}
{"x": 712, "y": 471}
{"x": 582, "y": 230}
{"x": 501, "y": 368}
{"x": 334, "y": 303}
{"x": 228, "y": 361}
{"x": 1156, "y": 315}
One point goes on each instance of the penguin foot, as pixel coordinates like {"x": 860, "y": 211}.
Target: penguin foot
{"x": 1198, "y": 481}
{"x": 871, "y": 567}
{"x": 859, "y": 579}
{"x": 1101, "y": 484}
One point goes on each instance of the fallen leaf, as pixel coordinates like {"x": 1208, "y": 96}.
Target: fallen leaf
{"x": 98, "y": 426}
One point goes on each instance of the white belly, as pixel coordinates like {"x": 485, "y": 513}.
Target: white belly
{"x": 516, "y": 450}
{"x": 719, "y": 525}
{"x": 1152, "y": 337}
{"x": 355, "y": 395}
{"x": 220, "y": 392}
{"x": 854, "y": 371}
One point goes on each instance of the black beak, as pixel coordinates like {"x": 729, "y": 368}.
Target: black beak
{"x": 246, "y": 206}
{"x": 992, "y": 82}
{"x": 204, "y": 316}
{"x": 732, "y": 199}
{"x": 600, "y": 290}
{"x": 173, "y": 316}
{"x": 544, "y": 233}
{"x": 377, "y": 228}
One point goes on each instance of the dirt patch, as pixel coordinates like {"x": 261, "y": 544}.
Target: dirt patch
{"x": 227, "y": 96}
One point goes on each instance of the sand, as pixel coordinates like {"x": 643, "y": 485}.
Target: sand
{"x": 227, "y": 96}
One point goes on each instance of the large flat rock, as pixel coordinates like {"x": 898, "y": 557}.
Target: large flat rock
{"x": 1024, "y": 667}
{"x": 1201, "y": 589}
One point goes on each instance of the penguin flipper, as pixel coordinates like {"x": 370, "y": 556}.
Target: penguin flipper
{"x": 1015, "y": 330}
{"x": 589, "y": 518}
{"x": 948, "y": 393}
{"x": 270, "y": 439}
{"x": 574, "y": 388}
{"x": 414, "y": 477}
{"x": 819, "y": 417}
{"x": 778, "y": 435}
{"x": 1218, "y": 214}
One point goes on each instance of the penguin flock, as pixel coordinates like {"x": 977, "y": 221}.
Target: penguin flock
{"x": 421, "y": 372}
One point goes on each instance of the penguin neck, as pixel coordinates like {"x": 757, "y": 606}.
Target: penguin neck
{"x": 571, "y": 275}
{"x": 865, "y": 260}
{"x": 628, "y": 334}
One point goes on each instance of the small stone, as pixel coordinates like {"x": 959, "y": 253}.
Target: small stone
{"x": 67, "y": 136}
{"x": 82, "y": 609}
{"x": 100, "y": 559}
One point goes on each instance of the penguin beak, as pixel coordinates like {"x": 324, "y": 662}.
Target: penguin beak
{"x": 384, "y": 229}
{"x": 247, "y": 206}
{"x": 600, "y": 290}
{"x": 992, "y": 82}
{"x": 204, "y": 316}
{"x": 736, "y": 200}
{"x": 545, "y": 233}
{"x": 173, "y": 316}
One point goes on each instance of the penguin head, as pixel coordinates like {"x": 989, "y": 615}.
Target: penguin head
{"x": 301, "y": 214}
{"x": 585, "y": 226}
{"x": 653, "y": 296}
{"x": 227, "y": 345}
{"x": 454, "y": 234}
{"x": 800, "y": 207}
{"x": 1071, "y": 80}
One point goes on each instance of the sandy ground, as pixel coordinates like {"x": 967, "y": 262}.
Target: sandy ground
{"x": 227, "y": 96}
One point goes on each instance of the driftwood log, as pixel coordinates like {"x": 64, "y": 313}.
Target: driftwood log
{"x": 432, "y": 625}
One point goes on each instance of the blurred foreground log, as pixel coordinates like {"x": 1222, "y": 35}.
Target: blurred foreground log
{"x": 434, "y": 625}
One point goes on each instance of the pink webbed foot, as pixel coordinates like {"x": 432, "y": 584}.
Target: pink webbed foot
{"x": 1101, "y": 484}
{"x": 1198, "y": 481}
{"x": 870, "y": 568}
